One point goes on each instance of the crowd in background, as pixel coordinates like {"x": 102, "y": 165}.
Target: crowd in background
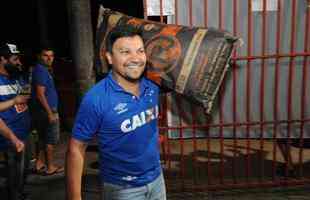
{"x": 28, "y": 104}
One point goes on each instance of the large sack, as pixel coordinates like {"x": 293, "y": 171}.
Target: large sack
{"x": 191, "y": 61}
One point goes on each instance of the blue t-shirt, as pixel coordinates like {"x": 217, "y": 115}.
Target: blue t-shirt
{"x": 41, "y": 76}
{"x": 126, "y": 128}
{"x": 16, "y": 117}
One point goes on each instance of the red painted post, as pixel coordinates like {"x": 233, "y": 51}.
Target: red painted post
{"x": 276, "y": 91}
{"x": 262, "y": 90}
{"x": 234, "y": 93}
{"x": 176, "y": 12}
{"x": 248, "y": 90}
{"x": 190, "y": 11}
{"x": 220, "y": 14}
{"x": 161, "y": 11}
{"x": 304, "y": 88}
{"x": 290, "y": 81}
{"x": 145, "y": 9}
{"x": 206, "y": 12}
{"x": 181, "y": 143}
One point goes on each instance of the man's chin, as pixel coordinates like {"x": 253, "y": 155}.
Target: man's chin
{"x": 133, "y": 79}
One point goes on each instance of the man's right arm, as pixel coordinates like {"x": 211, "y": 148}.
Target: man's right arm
{"x": 19, "y": 99}
{"x": 40, "y": 91}
{"x": 8, "y": 133}
{"x": 74, "y": 168}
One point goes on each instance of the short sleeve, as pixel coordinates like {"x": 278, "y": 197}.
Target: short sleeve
{"x": 40, "y": 76}
{"x": 2, "y": 114}
{"x": 87, "y": 120}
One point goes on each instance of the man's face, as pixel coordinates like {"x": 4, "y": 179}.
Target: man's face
{"x": 128, "y": 58}
{"x": 14, "y": 61}
{"x": 12, "y": 65}
{"x": 47, "y": 57}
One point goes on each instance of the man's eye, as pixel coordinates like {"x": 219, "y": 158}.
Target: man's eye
{"x": 141, "y": 51}
{"x": 124, "y": 52}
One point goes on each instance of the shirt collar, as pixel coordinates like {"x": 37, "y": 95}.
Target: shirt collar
{"x": 144, "y": 85}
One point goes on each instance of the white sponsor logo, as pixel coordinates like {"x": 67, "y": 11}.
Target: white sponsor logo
{"x": 129, "y": 178}
{"x": 139, "y": 120}
{"x": 120, "y": 108}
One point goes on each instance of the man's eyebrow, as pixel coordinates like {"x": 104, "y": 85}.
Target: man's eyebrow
{"x": 127, "y": 48}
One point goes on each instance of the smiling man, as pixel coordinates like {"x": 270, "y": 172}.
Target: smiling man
{"x": 122, "y": 111}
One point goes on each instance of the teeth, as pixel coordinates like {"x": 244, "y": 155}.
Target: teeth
{"x": 132, "y": 66}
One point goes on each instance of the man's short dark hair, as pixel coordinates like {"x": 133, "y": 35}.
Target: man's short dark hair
{"x": 119, "y": 32}
{"x": 43, "y": 47}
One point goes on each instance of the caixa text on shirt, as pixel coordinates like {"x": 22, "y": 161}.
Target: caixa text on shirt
{"x": 139, "y": 120}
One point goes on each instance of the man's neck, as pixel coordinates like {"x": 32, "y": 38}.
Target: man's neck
{"x": 132, "y": 88}
{"x": 44, "y": 64}
{"x": 129, "y": 86}
{"x": 48, "y": 67}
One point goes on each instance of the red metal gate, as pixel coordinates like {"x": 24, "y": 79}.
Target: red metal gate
{"x": 206, "y": 163}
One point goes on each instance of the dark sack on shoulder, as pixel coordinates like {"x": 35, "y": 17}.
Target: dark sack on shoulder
{"x": 191, "y": 61}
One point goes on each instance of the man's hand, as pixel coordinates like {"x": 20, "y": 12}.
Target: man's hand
{"x": 9, "y": 134}
{"x": 19, "y": 145}
{"x": 20, "y": 103}
{"x": 21, "y": 99}
{"x": 52, "y": 117}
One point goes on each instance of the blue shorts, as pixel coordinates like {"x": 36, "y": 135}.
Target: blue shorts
{"x": 48, "y": 132}
{"x": 52, "y": 133}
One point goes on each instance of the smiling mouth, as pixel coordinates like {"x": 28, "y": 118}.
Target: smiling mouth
{"x": 134, "y": 66}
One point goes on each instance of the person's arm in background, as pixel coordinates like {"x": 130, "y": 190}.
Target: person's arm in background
{"x": 8, "y": 133}
{"x": 40, "y": 91}
{"x": 74, "y": 168}
{"x": 19, "y": 99}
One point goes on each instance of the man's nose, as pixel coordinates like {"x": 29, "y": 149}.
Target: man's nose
{"x": 136, "y": 56}
{"x": 18, "y": 63}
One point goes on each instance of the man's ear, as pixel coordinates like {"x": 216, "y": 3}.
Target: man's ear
{"x": 109, "y": 57}
{"x": 2, "y": 59}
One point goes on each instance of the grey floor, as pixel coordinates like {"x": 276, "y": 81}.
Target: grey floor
{"x": 53, "y": 187}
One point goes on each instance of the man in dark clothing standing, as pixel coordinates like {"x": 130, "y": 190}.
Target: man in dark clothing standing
{"x": 45, "y": 112}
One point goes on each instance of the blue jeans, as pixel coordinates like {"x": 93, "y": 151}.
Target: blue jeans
{"x": 155, "y": 190}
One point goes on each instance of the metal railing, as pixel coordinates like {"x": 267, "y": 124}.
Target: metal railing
{"x": 267, "y": 90}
